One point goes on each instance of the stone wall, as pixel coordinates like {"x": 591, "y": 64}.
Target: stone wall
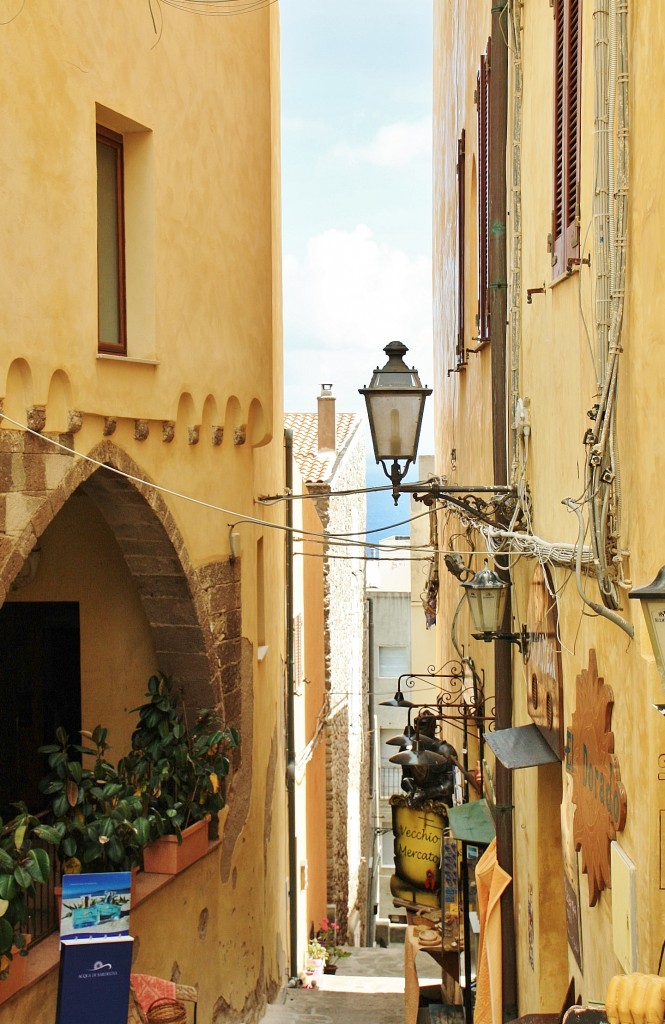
{"x": 346, "y": 683}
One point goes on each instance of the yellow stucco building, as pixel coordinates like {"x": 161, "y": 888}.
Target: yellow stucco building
{"x": 549, "y": 373}
{"x": 141, "y": 384}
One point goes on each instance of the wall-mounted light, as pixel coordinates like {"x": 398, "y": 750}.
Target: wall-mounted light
{"x": 486, "y": 595}
{"x": 395, "y": 400}
{"x": 652, "y": 599}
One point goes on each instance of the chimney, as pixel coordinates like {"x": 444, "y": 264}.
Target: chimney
{"x": 326, "y": 413}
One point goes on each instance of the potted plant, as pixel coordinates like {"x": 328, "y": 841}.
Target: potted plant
{"x": 94, "y": 813}
{"x": 22, "y": 866}
{"x": 328, "y": 936}
{"x": 179, "y": 771}
{"x": 317, "y": 955}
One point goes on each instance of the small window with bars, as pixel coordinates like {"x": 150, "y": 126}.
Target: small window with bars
{"x": 565, "y": 238}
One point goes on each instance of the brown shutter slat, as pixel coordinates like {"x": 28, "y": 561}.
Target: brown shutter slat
{"x": 558, "y": 204}
{"x": 573, "y": 127}
{"x": 567, "y": 115}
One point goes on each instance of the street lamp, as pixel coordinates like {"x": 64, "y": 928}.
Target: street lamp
{"x": 395, "y": 400}
{"x": 652, "y": 599}
{"x": 486, "y": 595}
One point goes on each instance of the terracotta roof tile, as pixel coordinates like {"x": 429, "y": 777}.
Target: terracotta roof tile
{"x": 315, "y": 466}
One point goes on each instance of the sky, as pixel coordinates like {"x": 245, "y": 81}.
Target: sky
{"x": 356, "y": 188}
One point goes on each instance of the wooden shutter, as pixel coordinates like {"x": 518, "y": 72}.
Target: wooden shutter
{"x": 566, "y": 176}
{"x": 573, "y": 129}
{"x": 460, "y": 352}
{"x": 483, "y": 103}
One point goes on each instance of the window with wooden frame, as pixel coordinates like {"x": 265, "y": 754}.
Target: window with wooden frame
{"x": 112, "y": 319}
{"x": 565, "y": 238}
{"x": 483, "y": 105}
{"x": 460, "y": 351}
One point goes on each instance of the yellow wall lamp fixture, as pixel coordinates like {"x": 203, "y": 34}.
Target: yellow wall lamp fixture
{"x": 652, "y": 599}
{"x": 395, "y": 400}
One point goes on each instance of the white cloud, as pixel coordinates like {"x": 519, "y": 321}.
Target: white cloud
{"x": 394, "y": 145}
{"x": 343, "y": 303}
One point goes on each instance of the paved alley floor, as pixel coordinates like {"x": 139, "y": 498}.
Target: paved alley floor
{"x": 368, "y": 987}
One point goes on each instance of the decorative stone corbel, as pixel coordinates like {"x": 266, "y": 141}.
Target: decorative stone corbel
{"x": 194, "y": 433}
{"x": 240, "y": 435}
{"x": 74, "y": 421}
{"x": 217, "y": 435}
{"x": 141, "y": 430}
{"x": 36, "y": 417}
{"x": 168, "y": 431}
{"x": 109, "y": 426}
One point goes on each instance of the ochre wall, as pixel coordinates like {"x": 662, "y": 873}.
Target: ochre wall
{"x": 194, "y": 408}
{"x": 555, "y": 371}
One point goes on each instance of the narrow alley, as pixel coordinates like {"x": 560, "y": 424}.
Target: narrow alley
{"x": 368, "y": 987}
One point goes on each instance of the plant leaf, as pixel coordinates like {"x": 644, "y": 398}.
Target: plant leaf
{"x": 39, "y": 865}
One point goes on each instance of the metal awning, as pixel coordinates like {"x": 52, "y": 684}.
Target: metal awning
{"x": 472, "y": 822}
{"x": 522, "y": 747}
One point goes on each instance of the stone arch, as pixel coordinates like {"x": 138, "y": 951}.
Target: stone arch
{"x": 194, "y": 615}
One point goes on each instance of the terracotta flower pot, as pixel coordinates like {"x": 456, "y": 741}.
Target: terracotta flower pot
{"x": 16, "y": 978}
{"x": 166, "y": 857}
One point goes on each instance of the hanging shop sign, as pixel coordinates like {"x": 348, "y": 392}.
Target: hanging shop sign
{"x": 545, "y": 688}
{"x": 418, "y": 841}
{"x": 598, "y": 792}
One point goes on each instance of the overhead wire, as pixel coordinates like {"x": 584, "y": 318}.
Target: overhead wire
{"x": 220, "y": 8}
{"x": 239, "y": 517}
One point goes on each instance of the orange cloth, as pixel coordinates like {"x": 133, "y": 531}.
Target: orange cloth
{"x": 491, "y": 882}
{"x": 146, "y": 989}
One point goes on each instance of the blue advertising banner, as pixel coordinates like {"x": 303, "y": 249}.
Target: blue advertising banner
{"x": 94, "y": 980}
{"x": 95, "y": 905}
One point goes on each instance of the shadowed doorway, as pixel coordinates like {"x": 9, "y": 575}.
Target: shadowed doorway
{"x": 40, "y": 689}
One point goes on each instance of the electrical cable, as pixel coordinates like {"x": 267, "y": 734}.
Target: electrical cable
{"x": 192, "y": 6}
{"x": 239, "y": 518}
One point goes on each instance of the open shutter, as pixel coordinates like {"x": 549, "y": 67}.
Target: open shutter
{"x": 460, "y": 352}
{"x": 558, "y": 204}
{"x": 566, "y": 176}
{"x": 573, "y": 130}
{"x": 483, "y": 101}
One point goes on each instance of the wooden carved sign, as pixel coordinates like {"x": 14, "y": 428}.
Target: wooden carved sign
{"x": 545, "y": 689}
{"x": 598, "y": 793}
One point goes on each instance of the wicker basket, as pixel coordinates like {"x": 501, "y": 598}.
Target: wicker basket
{"x": 167, "y": 1011}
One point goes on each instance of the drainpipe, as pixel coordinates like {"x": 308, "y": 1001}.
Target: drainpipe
{"x": 498, "y": 315}
{"x": 290, "y": 723}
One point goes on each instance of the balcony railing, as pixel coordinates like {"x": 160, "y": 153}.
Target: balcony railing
{"x": 390, "y": 782}
{"x": 43, "y": 915}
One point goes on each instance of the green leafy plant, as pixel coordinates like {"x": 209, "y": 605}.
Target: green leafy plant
{"x": 179, "y": 771}
{"x": 22, "y": 866}
{"x": 97, "y": 816}
{"x": 316, "y": 951}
